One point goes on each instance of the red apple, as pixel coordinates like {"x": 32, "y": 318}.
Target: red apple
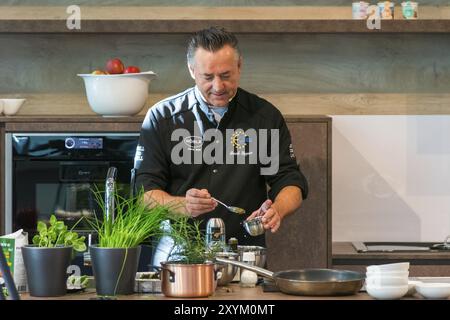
{"x": 132, "y": 69}
{"x": 115, "y": 66}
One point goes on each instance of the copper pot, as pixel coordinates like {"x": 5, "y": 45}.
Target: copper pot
{"x": 188, "y": 280}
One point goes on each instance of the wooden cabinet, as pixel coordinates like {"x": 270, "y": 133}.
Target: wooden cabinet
{"x": 304, "y": 239}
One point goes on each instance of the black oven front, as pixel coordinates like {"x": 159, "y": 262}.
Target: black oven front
{"x": 57, "y": 173}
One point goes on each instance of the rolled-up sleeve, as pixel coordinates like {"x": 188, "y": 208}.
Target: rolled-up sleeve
{"x": 150, "y": 162}
{"x": 289, "y": 173}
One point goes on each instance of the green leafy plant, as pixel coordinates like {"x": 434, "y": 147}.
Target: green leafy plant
{"x": 134, "y": 221}
{"x": 57, "y": 234}
{"x": 189, "y": 242}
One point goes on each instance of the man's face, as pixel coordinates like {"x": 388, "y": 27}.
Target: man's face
{"x": 216, "y": 74}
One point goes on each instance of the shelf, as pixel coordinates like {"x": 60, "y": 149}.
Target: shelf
{"x": 290, "y": 104}
{"x": 295, "y": 19}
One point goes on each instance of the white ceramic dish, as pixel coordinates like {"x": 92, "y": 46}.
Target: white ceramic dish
{"x": 387, "y": 292}
{"x": 401, "y": 274}
{"x": 117, "y": 94}
{"x": 434, "y": 290}
{"x": 12, "y": 106}
{"x": 401, "y": 266}
{"x": 386, "y": 281}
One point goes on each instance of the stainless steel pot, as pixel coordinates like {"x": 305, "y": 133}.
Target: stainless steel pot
{"x": 188, "y": 280}
{"x": 227, "y": 270}
{"x": 310, "y": 282}
{"x": 260, "y": 254}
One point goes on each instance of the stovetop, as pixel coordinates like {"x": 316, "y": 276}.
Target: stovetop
{"x": 401, "y": 246}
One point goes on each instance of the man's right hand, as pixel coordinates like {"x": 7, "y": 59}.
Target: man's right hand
{"x": 199, "y": 202}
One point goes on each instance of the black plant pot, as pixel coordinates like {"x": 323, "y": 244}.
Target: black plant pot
{"x": 114, "y": 269}
{"x": 47, "y": 270}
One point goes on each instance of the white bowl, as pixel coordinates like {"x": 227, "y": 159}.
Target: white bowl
{"x": 387, "y": 292}
{"x": 434, "y": 290}
{"x": 401, "y": 266}
{"x": 12, "y": 106}
{"x": 402, "y": 274}
{"x": 117, "y": 94}
{"x": 386, "y": 281}
{"x": 412, "y": 287}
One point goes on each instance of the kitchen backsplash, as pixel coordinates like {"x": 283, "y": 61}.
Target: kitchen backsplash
{"x": 391, "y": 178}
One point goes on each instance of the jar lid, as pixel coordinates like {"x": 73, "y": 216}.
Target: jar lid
{"x": 248, "y": 256}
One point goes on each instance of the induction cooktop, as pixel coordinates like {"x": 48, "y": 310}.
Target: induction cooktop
{"x": 400, "y": 246}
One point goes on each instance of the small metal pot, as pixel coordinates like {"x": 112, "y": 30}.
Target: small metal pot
{"x": 228, "y": 271}
{"x": 255, "y": 226}
{"x": 260, "y": 254}
{"x": 188, "y": 280}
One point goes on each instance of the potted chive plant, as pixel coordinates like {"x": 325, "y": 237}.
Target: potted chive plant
{"x": 116, "y": 256}
{"x": 47, "y": 259}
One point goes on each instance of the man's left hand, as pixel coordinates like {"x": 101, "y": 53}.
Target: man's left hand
{"x": 271, "y": 217}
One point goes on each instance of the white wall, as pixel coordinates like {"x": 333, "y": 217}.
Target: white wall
{"x": 391, "y": 178}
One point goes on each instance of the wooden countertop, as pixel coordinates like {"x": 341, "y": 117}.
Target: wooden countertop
{"x": 346, "y": 251}
{"x": 89, "y": 123}
{"x": 292, "y": 19}
{"x": 230, "y": 292}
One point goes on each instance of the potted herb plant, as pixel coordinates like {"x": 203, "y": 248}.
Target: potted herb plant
{"x": 47, "y": 259}
{"x": 116, "y": 256}
{"x": 190, "y": 270}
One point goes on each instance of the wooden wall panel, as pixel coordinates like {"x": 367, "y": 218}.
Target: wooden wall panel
{"x": 304, "y": 238}
{"x": 336, "y": 74}
{"x": 289, "y": 63}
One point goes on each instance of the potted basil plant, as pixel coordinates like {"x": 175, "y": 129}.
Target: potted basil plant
{"x": 47, "y": 259}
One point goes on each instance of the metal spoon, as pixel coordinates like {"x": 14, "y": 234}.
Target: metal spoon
{"x": 230, "y": 208}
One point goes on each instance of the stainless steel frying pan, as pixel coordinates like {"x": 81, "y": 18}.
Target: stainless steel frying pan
{"x": 310, "y": 282}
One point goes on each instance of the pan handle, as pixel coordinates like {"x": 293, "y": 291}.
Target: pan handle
{"x": 263, "y": 272}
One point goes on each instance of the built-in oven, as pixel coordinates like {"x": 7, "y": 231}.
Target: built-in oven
{"x": 58, "y": 173}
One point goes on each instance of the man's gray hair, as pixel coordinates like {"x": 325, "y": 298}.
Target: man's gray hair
{"x": 211, "y": 39}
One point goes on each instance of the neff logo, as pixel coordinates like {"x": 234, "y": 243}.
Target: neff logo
{"x": 235, "y": 147}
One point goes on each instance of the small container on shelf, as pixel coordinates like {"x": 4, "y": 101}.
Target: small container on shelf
{"x": 409, "y": 10}
{"x": 359, "y": 10}
{"x": 386, "y": 9}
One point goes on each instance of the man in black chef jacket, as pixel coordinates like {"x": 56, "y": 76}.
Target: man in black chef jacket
{"x": 218, "y": 140}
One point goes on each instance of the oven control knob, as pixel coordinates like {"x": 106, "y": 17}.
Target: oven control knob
{"x": 69, "y": 143}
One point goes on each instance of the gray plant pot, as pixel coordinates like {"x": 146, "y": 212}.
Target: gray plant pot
{"x": 47, "y": 270}
{"x": 114, "y": 269}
